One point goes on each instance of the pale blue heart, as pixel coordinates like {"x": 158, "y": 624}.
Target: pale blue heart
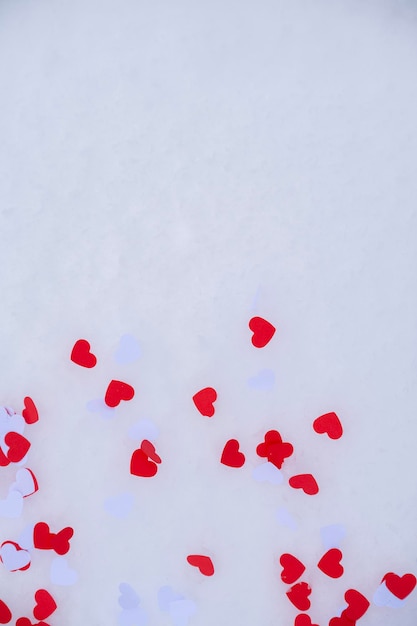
{"x": 128, "y": 599}
{"x": 99, "y": 406}
{"x": 143, "y": 429}
{"x": 133, "y": 617}
{"x": 181, "y": 610}
{"x": 166, "y": 595}
{"x": 267, "y": 472}
{"x": 128, "y": 350}
{"x": 384, "y": 597}
{"x": 61, "y": 573}
{"x": 119, "y": 506}
{"x": 332, "y": 536}
{"x": 265, "y": 379}
{"x": 285, "y": 518}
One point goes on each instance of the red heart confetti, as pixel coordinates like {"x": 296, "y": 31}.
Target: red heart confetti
{"x": 118, "y": 391}
{"x": 204, "y": 563}
{"x": 329, "y": 424}
{"x": 303, "y": 620}
{"x": 330, "y": 565}
{"x": 14, "y": 557}
{"x": 341, "y": 621}
{"x": 204, "y": 401}
{"x": 231, "y": 456}
{"x": 140, "y": 465}
{"x": 298, "y": 596}
{"x": 60, "y": 541}
{"x": 43, "y": 539}
{"x": 5, "y": 613}
{"x": 18, "y": 446}
{"x": 4, "y": 461}
{"x": 30, "y": 412}
{"x": 292, "y": 568}
{"x": 400, "y": 586}
{"x": 45, "y": 604}
{"x": 149, "y": 449}
{"x": 357, "y": 605}
{"x": 306, "y": 482}
{"x": 81, "y": 354}
{"x": 262, "y": 330}
{"x": 274, "y": 449}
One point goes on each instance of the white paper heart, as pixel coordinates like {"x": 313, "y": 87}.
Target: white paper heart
{"x": 384, "y": 597}
{"x": 268, "y": 473}
{"x": 13, "y": 558}
{"x": 25, "y": 483}
{"x": 12, "y": 506}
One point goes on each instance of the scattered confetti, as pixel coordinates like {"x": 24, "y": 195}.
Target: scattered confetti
{"x": 117, "y": 391}
{"x": 400, "y": 586}
{"x": 262, "y": 330}
{"x": 45, "y": 604}
{"x": 303, "y": 620}
{"x": 81, "y": 354}
{"x": 204, "y": 563}
{"x": 329, "y": 424}
{"x": 274, "y": 449}
{"x": 30, "y": 412}
{"x": 306, "y": 482}
{"x": 26, "y": 482}
{"x": 384, "y": 597}
{"x": 204, "y": 401}
{"x": 231, "y": 456}
{"x": 5, "y": 613}
{"x": 14, "y": 557}
{"x": 292, "y": 568}
{"x": 330, "y": 565}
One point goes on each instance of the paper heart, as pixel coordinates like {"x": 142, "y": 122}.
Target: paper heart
{"x": 341, "y": 621}
{"x": 357, "y": 605}
{"x": 61, "y": 573}
{"x": 128, "y": 598}
{"x": 231, "y": 455}
{"x": 306, "y": 482}
{"x": 262, "y": 331}
{"x": 181, "y": 610}
{"x": 143, "y": 429}
{"x": 166, "y": 595}
{"x": 298, "y": 596}
{"x": 149, "y": 449}
{"x": 5, "y": 613}
{"x": 384, "y": 597}
{"x": 128, "y": 350}
{"x": 10, "y": 422}
{"x": 12, "y": 506}
{"x": 18, "y": 446}
{"x": 43, "y": 539}
{"x": 267, "y": 473}
{"x": 331, "y": 536}
{"x": 14, "y": 558}
{"x": 400, "y": 586}
{"x": 204, "y": 401}
{"x": 140, "y": 465}
{"x": 303, "y": 620}
{"x": 118, "y": 391}
{"x": 274, "y": 449}
{"x": 330, "y": 565}
{"x": 265, "y": 379}
{"x": 99, "y": 406}
{"x": 25, "y": 621}
{"x": 30, "y": 412}
{"x": 119, "y": 506}
{"x": 25, "y": 539}
{"x": 204, "y": 563}
{"x": 25, "y": 483}
{"x": 45, "y": 604}
{"x": 4, "y": 461}
{"x": 81, "y": 354}
{"x": 133, "y": 617}
{"x": 292, "y": 568}
{"x": 330, "y": 424}
{"x": 61, "y": 540}
{"x": 285, "y": 518}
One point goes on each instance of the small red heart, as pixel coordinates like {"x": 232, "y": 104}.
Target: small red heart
{"x": 400, "y": 586}
{"x": 81, "y": 354}
{"x": 18, "y": 446}
{"x": 118, "y": 391}
{"x": 274, "y": 449}
{"x": 262, "y": 330}
{"x": 357, "y": 605}
{"x": 149, "y": 449}
{"x": 303, "y": 620}
{"x": 4, "y": 461}
{"x": 298, "y": 595}
{"x": 30, "y": 412}
{"x": 5, "y": 613}
{"x": 140, "y": 465}
{"x": 45, "y": 604}
{"x": 329, "y": 424}
{"x": 25, "y": 621}
{"x": 231, "y": 455}
{"x": 306, "y": 482}
{"x": 60, "y": 541}
{"x": 42, "y": 537}
{"x": 204, "y": 563}
{"x": 204, "y": 401}
{"x": 330, "y": 565}
{"x": 292, "y": 568}
{"x": 341, "y": 621}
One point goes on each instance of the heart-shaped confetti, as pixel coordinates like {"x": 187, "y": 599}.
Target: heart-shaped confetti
{"x": 45, "y": 604}
{"x": 180, "y": 611}
{"x": 268, "y": 473}
{"x": 330, "y": 565}
{"x": 61, "y": 573}
{"x": 99, "y": 406}
{"x": 140, "y": 465}
{"x": 81, "y": 354}
{"x": 30, "y": 412}
{"x": 12, "y": 506}
{"x": 4, "y": 461}
{"x": 231, "y": 456}
{"x": 292, "y": 568}
{"x": 262, "y": 330}
{"x": 341, "y": 621}
{"x": 128, "y": 350}
{"x": 285, "y": 518}
{"x": 13, "y": 557}
{"x": 119, "y": 506}
{"x": 204, "y": 563}
{"x": 43, "y": 539}
{"x": 128, "y": 598}
{"x": 204, "y": 401}
{"x": 303, "y": 620}
{"x": 5, "y": 613}
{"x": 25, "y": 539}
{"x": 118, "y": 391}
{"x": 400, "y": 586}
{"x": 166, "y": 595}
{"x": 25, "y": 483}
{"x": 357, "y": 605}
{"x": 306, "y": 482}
{"x": 332, "y": 535}
{"x": 330, "y": 424}
{"x": 384, "y": 597}
{"x": 274, "y": 449}
{"x": 143, "y": 429}
{"x": 298, "y": 596}
{"x": 18, "y": 446}
{"x": 149, "y": 449}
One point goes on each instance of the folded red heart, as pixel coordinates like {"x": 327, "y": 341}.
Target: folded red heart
{"x": 329, "y": 563}
{"x": 298, "y": 596}
{"x": 274, "y": 449}
{"x": 30, "y": 412}
{"x": 43, "y": 539}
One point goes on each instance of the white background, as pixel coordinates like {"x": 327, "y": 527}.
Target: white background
{"x": 170, "y": 169}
